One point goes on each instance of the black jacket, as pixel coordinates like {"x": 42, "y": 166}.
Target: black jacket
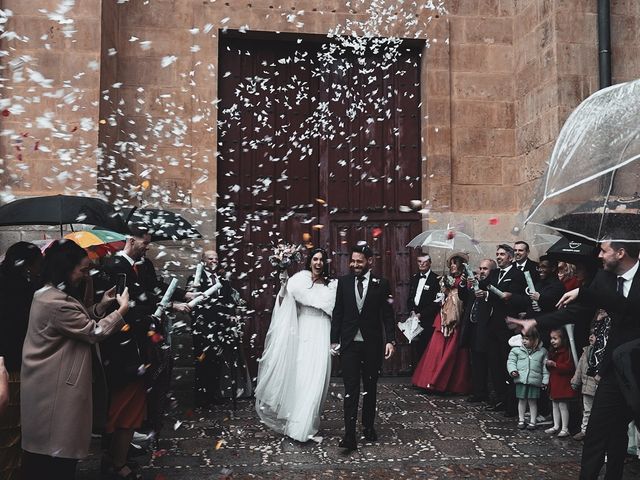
{"x": 531, "y": 267}
{"x": 15, "y": 303}
{"x": 601, "y": 293}
{"x": 125, "y": 351}
{"x": 514, "y": 283}
{"x": 550, "y": 290}
{"x": 426, "y": 307}
{"x": 376, "y": 320}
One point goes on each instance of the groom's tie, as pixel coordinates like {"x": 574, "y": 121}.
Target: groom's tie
{"x": 361, "y": 286}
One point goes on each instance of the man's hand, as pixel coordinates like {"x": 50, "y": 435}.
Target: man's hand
{"x": 568, "y": 297}
{"x": 506, "y": 296}
{"x": 181, "y": 307}
{"x": 389, "y": 350}
{"x": 535, "y": 296}
{"x": 525, "y": 324}
{"x": 335, "y": 349}
{"x": 481, "y": 294}
{"x": 515, "y": 374}
{"x": 191, "y": 295}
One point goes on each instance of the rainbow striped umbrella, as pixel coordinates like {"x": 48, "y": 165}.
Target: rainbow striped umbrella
{"x": 98, "y": 243}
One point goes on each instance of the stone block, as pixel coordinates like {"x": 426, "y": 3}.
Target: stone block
{"x": 469, "y": 141}
{"x": 438, "y": 111}
{"x": 624, "y": 30}
{"x": 489, "y": 7}
{"x": 501, "y": 142}
{"x": 438, "y": 168}
{"x": 507, "y": 8}
{"x": 482, "y": 86}
{"x": 165, "y": 41}
{"x": 469, "y": 58}
{"x": 483, "y": 198}
{"x": 146, "y": 71}
{"x": 489, "y": 30}
{"x": 437, "y": 83}
{"x": 437, "y": 56}
{"x": 438, "y": 140}
{"x": 477, "y": 171}
{"x": 500, "y": 58}
{"x": 576, "y": 27}
{"x": 463, "y": 8}
{"x": 526, "y": 20}
{"x": 504, "y": 114}
{"x": 513, "y": 171}
{"x": 527, "y": 78}
{"x": 86, "y": 37}
{"x": 472, "y": 113}
{"x": 161, "y": 14}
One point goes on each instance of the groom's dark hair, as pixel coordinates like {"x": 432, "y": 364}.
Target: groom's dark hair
{"x": 363, "y": 249}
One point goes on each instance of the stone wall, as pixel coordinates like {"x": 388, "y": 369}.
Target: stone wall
{"x": 498, "y": 78}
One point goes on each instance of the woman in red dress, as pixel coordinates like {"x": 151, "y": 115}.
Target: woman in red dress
{"x": 444, "y": 366}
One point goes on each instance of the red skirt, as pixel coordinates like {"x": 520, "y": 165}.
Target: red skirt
{"x": 444, "y": 367}
{"x": 128, "y": 407}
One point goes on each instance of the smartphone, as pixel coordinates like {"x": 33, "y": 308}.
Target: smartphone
{"x": 121, "y": 283}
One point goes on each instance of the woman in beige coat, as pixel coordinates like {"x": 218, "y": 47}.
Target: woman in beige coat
{"x": 57, "y": 365}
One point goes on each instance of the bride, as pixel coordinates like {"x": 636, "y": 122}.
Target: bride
{"x": 294, "y": 371}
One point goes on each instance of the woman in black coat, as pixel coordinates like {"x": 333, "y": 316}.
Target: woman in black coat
{"x": 19, "y": 279}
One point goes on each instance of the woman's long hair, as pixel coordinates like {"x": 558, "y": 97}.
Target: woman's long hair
{"x": 60, "y": 259}
{"x": 459, "y": 261}
{"x": 325, "y": 263}
{"x": 19, "y": 259}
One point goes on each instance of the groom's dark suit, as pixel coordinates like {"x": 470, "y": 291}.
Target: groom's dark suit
{"x": 361, "y": 359}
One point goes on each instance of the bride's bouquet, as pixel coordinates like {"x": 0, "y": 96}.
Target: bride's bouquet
{"x": 284, "y": 255}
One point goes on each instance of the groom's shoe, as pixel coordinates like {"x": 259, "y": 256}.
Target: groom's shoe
{"x": 348, "y": 445}
{"x": 370, "y": 434}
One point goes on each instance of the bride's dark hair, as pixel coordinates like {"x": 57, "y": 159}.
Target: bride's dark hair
{"x": 325, "y": 263}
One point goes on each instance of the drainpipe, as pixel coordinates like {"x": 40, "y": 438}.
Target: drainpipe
{"x": 604, "y": 43}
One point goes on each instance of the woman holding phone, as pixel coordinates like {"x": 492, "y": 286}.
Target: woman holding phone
{"x": 59, "y": 361}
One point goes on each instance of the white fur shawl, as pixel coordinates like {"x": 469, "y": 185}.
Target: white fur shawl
{"x": 314, "y": 295}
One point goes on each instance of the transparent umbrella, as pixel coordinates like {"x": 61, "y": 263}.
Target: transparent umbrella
{"x": 590, "y": 188}
{"x": 449, "y": 239}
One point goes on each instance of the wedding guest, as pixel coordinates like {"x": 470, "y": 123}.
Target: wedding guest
{"x": 475, "y": 333}
{"x": 19, "y": 279}
{"x": 522, "y": 261}
{"x": 136, "y": 359}
{"x": 423, "y": 288}
{"x": 444, "y": 367}
{"x": 217, "y": 337}
{"x": 567, "y": 275}
{"x": 58, "y": 364}
{"x": 561, "y": 370}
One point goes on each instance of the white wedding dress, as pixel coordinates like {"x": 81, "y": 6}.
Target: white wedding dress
{"x": 294, "y": 371}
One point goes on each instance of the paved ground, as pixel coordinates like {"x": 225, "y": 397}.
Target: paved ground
{"x": 421, "y": 436}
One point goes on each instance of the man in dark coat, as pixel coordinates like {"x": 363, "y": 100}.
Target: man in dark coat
{"x": 216, "y": 335}
{"x": 363, "y": 332}
{"x": 127, "y": 354}
{"x": 615, "y": 289}
{"x": 522, "y": 261}
{"x": 475, "y": 332}
{"x": 423, "y": 289}
{"x": 511, "y": 283}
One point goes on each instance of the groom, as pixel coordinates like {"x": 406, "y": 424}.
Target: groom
{"x": 363, "y": 307}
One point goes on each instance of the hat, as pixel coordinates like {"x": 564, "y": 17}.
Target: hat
{"x": 464, "y": 256}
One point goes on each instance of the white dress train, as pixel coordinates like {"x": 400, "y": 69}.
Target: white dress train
{"x": 295, "y": 368}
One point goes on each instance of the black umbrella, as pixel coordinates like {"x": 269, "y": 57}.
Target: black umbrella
{"x": 161, "y": 224}
{"x": 62, "y": 210}
{"x": 574, "y": 250}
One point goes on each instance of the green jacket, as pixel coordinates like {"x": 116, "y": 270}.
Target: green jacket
{"x": 530, "y": 365}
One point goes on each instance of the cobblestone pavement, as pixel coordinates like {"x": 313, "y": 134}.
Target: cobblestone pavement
{"x": 421, "y": 436}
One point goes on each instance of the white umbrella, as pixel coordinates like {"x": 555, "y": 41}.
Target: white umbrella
{"x": 448, "y": 239}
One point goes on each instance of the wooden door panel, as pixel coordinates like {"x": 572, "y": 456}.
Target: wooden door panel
{"x": 294, "y": 129}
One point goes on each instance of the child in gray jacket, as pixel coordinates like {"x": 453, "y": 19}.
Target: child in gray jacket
{"x": 526, "y": 364}
{"x": 585, "y": 383}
